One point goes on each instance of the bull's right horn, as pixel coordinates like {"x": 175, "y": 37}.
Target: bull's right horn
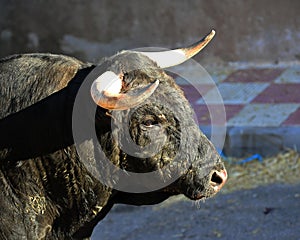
{"x": 105, "y": 91}
{"x": 170, "y": 58}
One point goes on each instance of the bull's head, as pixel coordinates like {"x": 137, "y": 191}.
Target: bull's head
{"x": 152, "y": 122}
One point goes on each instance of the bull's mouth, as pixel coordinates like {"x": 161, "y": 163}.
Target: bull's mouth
{"x": 197, "y": 196}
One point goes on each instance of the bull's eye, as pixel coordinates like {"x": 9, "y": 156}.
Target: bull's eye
{"x": 149, "y": 123}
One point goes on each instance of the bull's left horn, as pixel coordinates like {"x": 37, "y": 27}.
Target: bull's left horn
{"x": 174, "y": 57}
{"x": 105, "y": 91}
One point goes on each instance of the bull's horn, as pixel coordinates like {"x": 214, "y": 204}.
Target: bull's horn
{"x": 174, "y": 57}
{"x": 105, "y": 92}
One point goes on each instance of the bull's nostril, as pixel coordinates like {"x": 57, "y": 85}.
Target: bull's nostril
{"x": 215, "y": 178}
{"x": 218, "y": 179}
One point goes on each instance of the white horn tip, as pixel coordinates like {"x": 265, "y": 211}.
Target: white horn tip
{"x": 212, "y": 33}
{"x": 110, "y": 82}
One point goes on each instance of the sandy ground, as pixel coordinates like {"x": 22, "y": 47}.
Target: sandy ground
{"x": 264, "y": 213}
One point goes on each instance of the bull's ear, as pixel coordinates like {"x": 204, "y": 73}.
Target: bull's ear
{"x": 175, "y": 57}
{"x": 105, "y": 91}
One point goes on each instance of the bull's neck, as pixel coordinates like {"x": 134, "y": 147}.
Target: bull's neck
{"x": 42, "y": 128}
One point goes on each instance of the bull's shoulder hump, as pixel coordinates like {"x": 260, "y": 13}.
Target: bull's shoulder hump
{"x": 55, "y": 70}
{"x": 28, "y": 78}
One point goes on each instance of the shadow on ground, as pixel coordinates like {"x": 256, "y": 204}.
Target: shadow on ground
{"x": 266, "y": 212}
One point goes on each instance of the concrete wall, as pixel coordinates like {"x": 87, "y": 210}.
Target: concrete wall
{"x": 251, "y": 30}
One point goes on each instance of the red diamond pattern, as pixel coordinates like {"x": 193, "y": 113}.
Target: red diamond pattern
{"x": 275, "y": 93}
{"x": 280, "y": 93}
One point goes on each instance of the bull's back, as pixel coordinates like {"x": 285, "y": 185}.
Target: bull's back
{"x": 28, "y": 78}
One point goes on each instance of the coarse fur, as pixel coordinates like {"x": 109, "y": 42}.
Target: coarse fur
{"x": 47, "y": 192}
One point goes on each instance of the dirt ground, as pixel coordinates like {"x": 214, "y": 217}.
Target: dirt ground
{"x": 261, "y": 200}
{"x": 264, "y": 213}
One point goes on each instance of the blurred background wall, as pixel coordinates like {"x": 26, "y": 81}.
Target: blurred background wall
{"x": 251, "y": 30}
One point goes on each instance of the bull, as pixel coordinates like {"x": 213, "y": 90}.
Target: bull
{"x": 47, "y": 189}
